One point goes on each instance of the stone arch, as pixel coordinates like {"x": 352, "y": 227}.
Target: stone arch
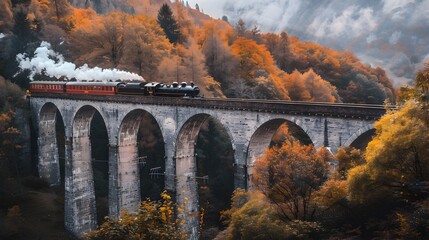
{"x": 361, "y": 137}
{"x": 48, "y": 157}
{"x": 128, "y": 174}
{"x": 262, "y": 137}
{"x": 186, "y": 185}
{"x": 79, "y": 182}
{"x": 362, "y": 133}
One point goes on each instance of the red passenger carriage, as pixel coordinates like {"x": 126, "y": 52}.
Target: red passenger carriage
{"x": 47, "y": 86}
{"x": 93, "y": 88}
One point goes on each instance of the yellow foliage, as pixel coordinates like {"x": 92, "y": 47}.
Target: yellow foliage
{"x": 401, "y": 137}
{"x": 331, "y": 192}
{"x": 153, "y": 220}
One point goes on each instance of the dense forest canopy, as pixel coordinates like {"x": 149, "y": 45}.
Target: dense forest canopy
{"x": 174, "y": 42}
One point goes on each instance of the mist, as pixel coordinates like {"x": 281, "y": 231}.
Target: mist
{"x": 49, "y": 63}
{"x": 388, "y": 33}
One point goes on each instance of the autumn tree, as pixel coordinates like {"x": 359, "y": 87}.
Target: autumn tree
{"x": 153, "y": 220}
{"x": 289, "y": 175}
{"x": 348, "y": 158}
{"x": 253, "y": 217}
{"x": 252, "y": 58}
{"x": 280, "y": 49}
{"x": 10, "y": 97}
{"x": 420, "y": 91}
{"x": 146, "y": 47}
{"x": 168, "y": 23}
{"x": 186, "y": 26}
{"x": 219, "y": 59}
{"x": 396, "y": 159}
{"x": 103, "y": 39}
{"x": 309, "y": 86}
{"x": 186, "y": 64}
{"x": 49, "y": 11}
{"x": 6, "y": 16}
{"x": 296, "y": 87}
{"x": 140, "y": 48}
{"x": 240, "y": 28}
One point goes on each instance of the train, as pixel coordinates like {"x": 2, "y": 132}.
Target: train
{"x": 117, "y": 88}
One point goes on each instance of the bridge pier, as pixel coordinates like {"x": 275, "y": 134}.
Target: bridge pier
{"x": 186, "y": 174}
{"x": 114, "y": 190}
{"x": 128, "y": 177}
{"x": 69, "y": 211}
{"x": 240, "y": 166}
{"x": 48, "y": 165}
{"x": 170, "y": 169}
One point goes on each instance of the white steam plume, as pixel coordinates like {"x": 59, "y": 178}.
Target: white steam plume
{"x": 52, "y": 64}
{"x": 2, "y": 35}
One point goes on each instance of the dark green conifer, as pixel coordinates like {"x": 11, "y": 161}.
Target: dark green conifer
{"x": 168, "y": 23}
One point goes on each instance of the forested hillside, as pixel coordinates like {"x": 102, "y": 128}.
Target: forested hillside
{"x": 376, "y": 192}
{"x": 224, "y": 60}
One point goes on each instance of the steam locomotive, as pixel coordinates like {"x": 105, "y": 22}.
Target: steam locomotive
{"x": 114, "y": 88}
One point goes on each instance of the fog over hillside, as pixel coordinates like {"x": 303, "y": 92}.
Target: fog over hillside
{"x": 388, "y": 33}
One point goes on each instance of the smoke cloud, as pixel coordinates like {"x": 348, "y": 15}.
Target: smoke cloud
{"x": 49, "y": 63}
{"x": 2, "y": 35}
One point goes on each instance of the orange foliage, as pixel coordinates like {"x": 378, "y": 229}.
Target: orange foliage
{"x": 252, "y": 57}
{"x": 288, "y": 176}
{"x": 309, "y": 87}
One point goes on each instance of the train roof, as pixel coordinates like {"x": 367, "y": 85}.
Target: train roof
{"x": 93, "y": 83}
{"x": 48, "y": 82}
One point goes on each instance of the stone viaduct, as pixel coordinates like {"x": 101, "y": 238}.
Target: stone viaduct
{"x": 250, "y": 125}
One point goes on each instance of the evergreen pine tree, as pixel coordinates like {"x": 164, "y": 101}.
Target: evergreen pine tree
{"x": 168, "y": 23}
